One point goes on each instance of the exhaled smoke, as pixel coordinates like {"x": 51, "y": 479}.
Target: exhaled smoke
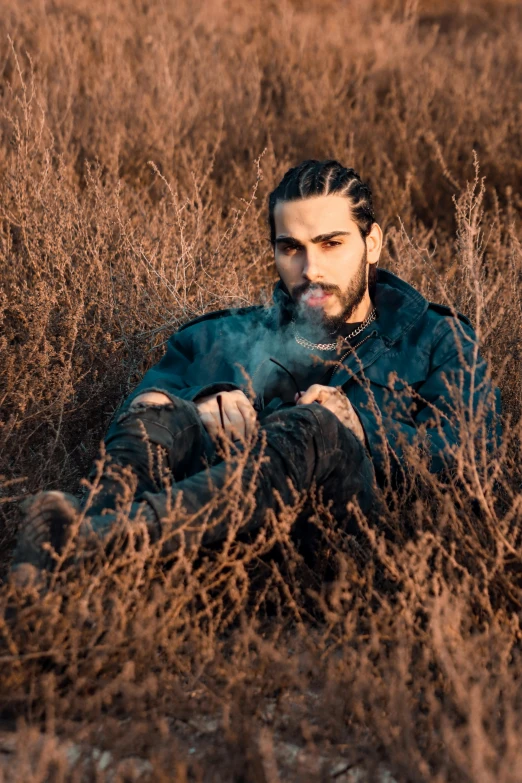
{"x": 253, "y": 342}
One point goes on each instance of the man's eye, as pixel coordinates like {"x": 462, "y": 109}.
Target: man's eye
{"x": 331, "y": 243}
{"x": 289, "y": 249}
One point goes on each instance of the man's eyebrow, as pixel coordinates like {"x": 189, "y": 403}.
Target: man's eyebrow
{"x": 316, "y": 240}
{"x": 331, "y": 235}
{"x": 286, "y": 240}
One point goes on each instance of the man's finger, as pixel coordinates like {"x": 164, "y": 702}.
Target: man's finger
{"x": 210, "y": 422}
{"x": 239, "y": 423}
{"x": 235, "y": 424}
{"x": 310, "y": 395}
{"x": 249, "y": 416}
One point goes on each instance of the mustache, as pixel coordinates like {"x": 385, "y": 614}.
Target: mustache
{"x": 299, "y": 290}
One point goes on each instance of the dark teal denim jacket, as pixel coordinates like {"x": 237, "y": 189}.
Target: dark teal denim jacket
{"x": 416, "y": 375}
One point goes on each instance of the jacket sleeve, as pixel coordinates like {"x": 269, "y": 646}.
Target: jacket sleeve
{"x": 457, "y": 395}
{"x": 178, "y": 373}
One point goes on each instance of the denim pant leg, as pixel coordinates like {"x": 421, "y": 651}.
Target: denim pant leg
{"x": 343, "y": 472}
{"x": 319, "y": 450}
{"x": 133, "y": 439}
{"x": 301, "y": 446}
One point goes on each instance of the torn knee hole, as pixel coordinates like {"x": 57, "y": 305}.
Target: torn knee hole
{"x": 141, "y": 406}
{"x": 152, "y": 398}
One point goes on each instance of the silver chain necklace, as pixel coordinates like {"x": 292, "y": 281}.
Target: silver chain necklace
{"x": 330, "y": 346}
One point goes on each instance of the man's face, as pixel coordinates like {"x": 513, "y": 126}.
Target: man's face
{"x": 322, "y": 258}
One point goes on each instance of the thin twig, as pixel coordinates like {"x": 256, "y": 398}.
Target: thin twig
{"x": 220, "y": 406}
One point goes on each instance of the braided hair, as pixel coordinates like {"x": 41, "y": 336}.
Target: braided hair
{"x": 324, "y": 178}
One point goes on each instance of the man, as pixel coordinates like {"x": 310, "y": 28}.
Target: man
{"x": 328, "y": 387}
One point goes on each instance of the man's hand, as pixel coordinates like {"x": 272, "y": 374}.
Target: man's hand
{"x": 237, "y": 417}
{"x": 335, "y": 400}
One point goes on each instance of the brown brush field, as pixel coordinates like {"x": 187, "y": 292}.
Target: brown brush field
{"x": 138, "y": 142}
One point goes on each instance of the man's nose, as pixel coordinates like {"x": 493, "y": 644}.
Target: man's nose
{"x": 312, "y": 267}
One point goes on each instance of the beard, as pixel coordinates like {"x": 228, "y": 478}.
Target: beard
{"x": 315, "y": 318}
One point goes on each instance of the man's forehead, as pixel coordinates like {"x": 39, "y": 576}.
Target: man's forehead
{"x": 311, "y": 216}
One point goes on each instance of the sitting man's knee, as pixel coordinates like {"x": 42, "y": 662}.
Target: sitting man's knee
{"x": 152, "y": 397}
{"x": 323, "y": 418}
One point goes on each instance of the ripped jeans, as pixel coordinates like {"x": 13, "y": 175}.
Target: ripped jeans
{"x": 296, "y": 448}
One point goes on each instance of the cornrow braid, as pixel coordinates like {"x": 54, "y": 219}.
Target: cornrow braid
{"x": 323, "y": 178}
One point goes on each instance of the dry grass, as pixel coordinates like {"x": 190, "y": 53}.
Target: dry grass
{"x": 139, "y": 140}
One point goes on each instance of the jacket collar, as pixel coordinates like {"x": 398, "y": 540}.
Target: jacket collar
{"x": 399, "y": 305}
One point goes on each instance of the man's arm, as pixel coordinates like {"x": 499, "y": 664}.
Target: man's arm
{"x": 456, "y": 396}
{"x": 179, "y": 373}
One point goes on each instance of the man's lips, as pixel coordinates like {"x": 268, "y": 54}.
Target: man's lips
{"x": 315, "y": 298}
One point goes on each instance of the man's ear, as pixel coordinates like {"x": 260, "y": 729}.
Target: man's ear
{"x": 374, "y": 243}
